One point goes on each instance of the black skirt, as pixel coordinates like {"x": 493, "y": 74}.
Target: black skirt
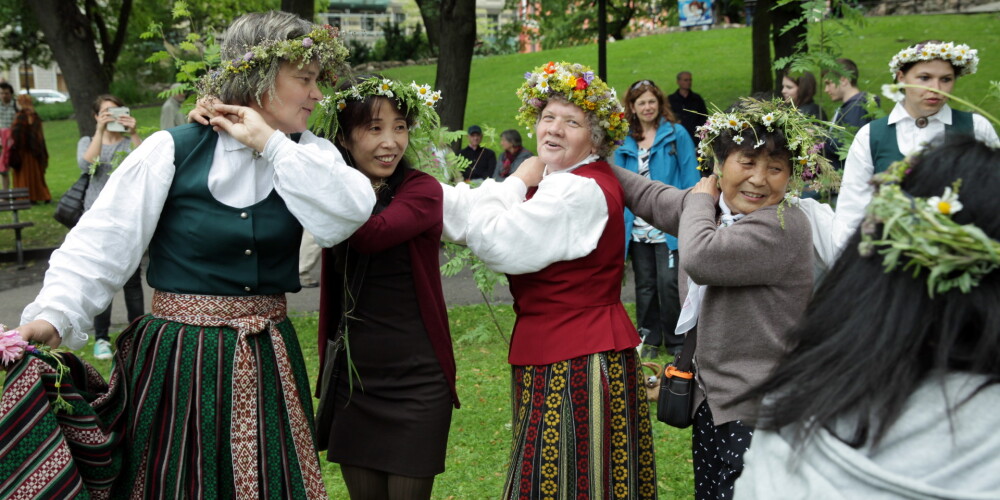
{"x": 393, "y": 415}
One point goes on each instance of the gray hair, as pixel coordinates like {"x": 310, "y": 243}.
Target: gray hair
{"x": 512, "y": 136}
{"x": 599, "y": 138}
{"x": 246, "y": 32}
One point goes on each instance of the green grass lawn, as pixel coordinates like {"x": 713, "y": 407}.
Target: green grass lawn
{"x": 480, "y": 436}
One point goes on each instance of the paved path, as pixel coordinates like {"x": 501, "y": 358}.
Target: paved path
{"x": 19, "y": 287}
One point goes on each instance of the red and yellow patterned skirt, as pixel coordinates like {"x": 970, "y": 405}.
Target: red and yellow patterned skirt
{"x": 581, "y": 430}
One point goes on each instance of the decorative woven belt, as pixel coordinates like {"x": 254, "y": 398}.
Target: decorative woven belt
{"x": 251, "y": 315}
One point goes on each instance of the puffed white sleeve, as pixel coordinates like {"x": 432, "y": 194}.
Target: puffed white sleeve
{"x": 458, "y": 203}
{"x": 563, "y": 221}
{"x": 329, "y": 198}
{"x": 855, "y": 190}
{"x": 984, "y": 131}
{"x": 105, "y": 247}
{"x": 821, "y": 218}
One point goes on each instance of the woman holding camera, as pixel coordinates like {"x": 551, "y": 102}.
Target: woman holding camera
{"x": 113, "y": 138}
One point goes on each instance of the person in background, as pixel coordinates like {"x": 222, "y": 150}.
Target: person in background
{"x": 392, "y": 387}
{"x": 512, "y": 156}
{"x": 843, "y": 88}
{"x": 921, "y": 116}
{"x": 209, "y": 395}
{"x": 170, "y": 112}
{"x": 688, "y": 106}
{"x": 482, "y": 161}
{"x": 892, "y": 388}
{"x": 7, "y": 111}
{"x": 98, "y": 155}
{"x": 800, "y": 91}
{"x": 657, "y": 148}
{"x": 29, "y": 148}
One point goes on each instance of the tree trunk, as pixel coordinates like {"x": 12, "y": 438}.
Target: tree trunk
{"x": 760, "y": 36}
{"x": 430, "y": 12}
{"x": 785, "y": 45}
{"x": 68, "y": 32}
{"x": 306, "y": 9}
{"x": 458, "y": 36}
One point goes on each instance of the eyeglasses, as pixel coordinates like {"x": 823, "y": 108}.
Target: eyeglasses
{"x": 640, "y": 83}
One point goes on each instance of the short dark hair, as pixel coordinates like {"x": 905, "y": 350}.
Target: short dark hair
{"x": 6, "y": 86}
{"x": 96, "y": 106}
{"x": 848, "y": 69}
{"x": 512, "y": 136}
{"x": 682, "y": 73}
{"x": 869, "y": 338}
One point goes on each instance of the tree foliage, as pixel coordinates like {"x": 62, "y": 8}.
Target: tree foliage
{"x": 22, "y": 36}
{"x": 566, "y": 23}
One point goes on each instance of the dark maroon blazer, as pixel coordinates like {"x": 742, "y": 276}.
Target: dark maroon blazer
{"x": 415, "y": 217}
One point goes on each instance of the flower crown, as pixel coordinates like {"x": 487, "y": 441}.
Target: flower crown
{"x": 577, "y": 84}
{"x": 921, "y": 233}
{"x": 960, "y": 56}
{"x": 418, "y": 99}
{"x": 321, "y": 44}
{"x": 805, "y": 136}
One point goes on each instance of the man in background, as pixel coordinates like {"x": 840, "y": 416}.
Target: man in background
{"x": 482, "y": 161}
{"x": 843, "y": 88}
{"x": 7, "y": 111}
{"x": 688, "y": 106}
{"x": 170, "y": 112}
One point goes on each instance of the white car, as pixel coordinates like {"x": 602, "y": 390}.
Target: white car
{"x": 47, "y": 95}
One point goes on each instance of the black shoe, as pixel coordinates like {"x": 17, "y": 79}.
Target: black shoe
{"x": 650, "y": 351}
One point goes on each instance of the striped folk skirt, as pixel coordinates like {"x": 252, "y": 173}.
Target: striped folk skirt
{"x": 581, "y": 430}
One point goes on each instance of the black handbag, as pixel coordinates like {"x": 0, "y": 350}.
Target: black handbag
{"x": 334, "y": 351}
{"x": 674, "y": 405}
{"x": 70, "y": 207}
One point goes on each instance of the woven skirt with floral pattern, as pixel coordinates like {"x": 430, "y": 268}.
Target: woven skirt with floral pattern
{"x": 581, "y": 430}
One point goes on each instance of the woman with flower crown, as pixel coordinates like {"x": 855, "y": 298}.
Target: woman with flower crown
{"x": 921, "y": 116}
{"x": 208, "y": 394}
{"x": 388, "y": 384}
{"x": 894, "y": 383}
{"x": 580, "y": 417}
{"x": 747, "y": 270}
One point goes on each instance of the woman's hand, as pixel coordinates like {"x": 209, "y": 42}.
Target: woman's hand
{"x": 103, "y": 120}
{"x": 530, "y": 171}
{"x": 708, "y": 185}
{"x": 244, "y": 124}
{"x": 40, "y": 332}
{"x": 127, "y": 121}
{"x": 204, "y": 110}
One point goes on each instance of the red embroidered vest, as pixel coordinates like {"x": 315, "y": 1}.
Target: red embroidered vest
{"x": 573, "y": 308}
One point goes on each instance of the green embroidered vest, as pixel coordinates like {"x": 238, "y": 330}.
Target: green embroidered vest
{"x": 202, "y": 246}
{"x": 885, "y": 149}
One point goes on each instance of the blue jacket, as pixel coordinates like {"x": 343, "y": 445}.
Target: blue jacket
{"x": 672, "y": 161}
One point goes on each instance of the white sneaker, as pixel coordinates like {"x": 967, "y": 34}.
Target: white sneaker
{"x": 102, "y": 349}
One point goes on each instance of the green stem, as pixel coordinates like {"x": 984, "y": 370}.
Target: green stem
{"x": 955, "y": 98}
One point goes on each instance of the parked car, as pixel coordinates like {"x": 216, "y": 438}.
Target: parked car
{"x": 47, "y": 95}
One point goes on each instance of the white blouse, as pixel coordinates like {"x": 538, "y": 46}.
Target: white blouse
{"x": 329, "y": 198}
{"x": 856, "y": 192}
{"x": 562, "y": 221}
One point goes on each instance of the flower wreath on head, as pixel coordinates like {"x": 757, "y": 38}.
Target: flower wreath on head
{"x": 321, "y": 44}
{"x": 919, "y": 234}
{"x": 578, "y": 85}
{"x": 418, "y": 99}
{"x": 960, "y": 56}
{"x": 805, "y": 137}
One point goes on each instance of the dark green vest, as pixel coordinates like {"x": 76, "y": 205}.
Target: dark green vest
{"x": 202, "y": 246}
{"x": 885, "y": 149}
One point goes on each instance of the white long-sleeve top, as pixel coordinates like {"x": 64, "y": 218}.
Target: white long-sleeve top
{"x": 562, "y": 221}
{"x": 329, "y": 198}
{"x": 856, "y": 192}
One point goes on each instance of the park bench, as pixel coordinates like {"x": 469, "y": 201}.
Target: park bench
{"x": 14, "y": 200}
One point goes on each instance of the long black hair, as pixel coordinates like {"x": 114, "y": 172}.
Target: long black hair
{"x": 869, "y": 338}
